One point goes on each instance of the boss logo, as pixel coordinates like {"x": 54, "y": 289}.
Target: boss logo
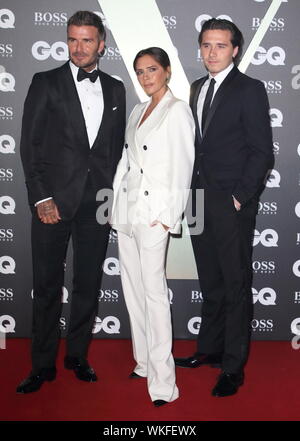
{"x": 6, "y": 294}
{"x": 7, "y": 82}
{"x": 194, "y": 325}
{"x": 196, "y": 297}
{"x": 108, "y": 295}
{"x": 7, "y": 144}
{"x": 6, "y": 234}
{"x": 296, "y": 79}
{"x": 102, "y": 16}
{"x": 275, "y": 56}
{"x": 170, "y": 21}
{"x": 263, "y": 267}
{"x": 6, "y": 50}
{"x": 50, "y": 18}
{"x": 6, "y": 174}
{"x": 112, "y": 53}
{"x": 277, "y": 24}
{"x": 6, "y": 112}
{"x": 110, "y": 325}
{"x": 276, "y": 118}
{"x": 268, "y": 238}
{"x": 273, "y": 179}
{"x": 276, "y": 147}
{"x": 263, "y": 325}
{"x": 111, "y": 266}
{"x": 7, "y": 19}
{"x": 273, "y": 86}
{"x": 267, "y": 208}
{"x": 41, "y": 50}
{"x": 297, "y": 297}
{"x": 7, "y": 205}
{"x": 62, "y": 323}
{"x": 265, "y": 296}
{"x": 204, "y": 17}
{"x": 298, "y": 238}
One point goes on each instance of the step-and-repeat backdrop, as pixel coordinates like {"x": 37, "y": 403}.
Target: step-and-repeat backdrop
{"x": 33, "y": 39}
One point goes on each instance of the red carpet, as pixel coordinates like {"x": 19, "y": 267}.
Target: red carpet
{"x": 271, "y": 391}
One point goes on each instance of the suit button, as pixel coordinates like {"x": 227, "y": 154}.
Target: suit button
{"x": 145, "y": 147}
{"x": 142, "y": 171}
{"x": 128, "y": 168}
{"x": 126, "y": 146}
{"x": 124, "y": 189}
{"x": 198, "y": 172}
{"x": 146, "y": 193}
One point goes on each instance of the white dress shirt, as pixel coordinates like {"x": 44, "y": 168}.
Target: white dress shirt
{"x": 219, "y": 78}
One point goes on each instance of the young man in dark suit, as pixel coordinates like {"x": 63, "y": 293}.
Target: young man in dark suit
{"x": 233, "y": 155}
{"x": 72, "y": 138}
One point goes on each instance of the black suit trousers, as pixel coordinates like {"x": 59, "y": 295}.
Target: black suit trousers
{"x": 223, "y": 254}
{"x": 49, "y": 246}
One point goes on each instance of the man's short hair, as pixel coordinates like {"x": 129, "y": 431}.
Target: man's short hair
{"x": 88, "y": 18}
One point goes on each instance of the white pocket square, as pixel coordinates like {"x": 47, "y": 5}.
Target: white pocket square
{"x": 114, "y": 108}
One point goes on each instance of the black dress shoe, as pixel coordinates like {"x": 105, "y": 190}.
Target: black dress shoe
{"x": 228, "y": 384}
{"x": 197, "y": 360}
{"x": 35, "y": 380}
{"x": 158, "y": 403}
{"x": 135, "y": 375}
{"x": 81, "y": 369}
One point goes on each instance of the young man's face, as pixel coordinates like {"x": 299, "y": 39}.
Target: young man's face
{"x": 84, "y": 46}
{"x": 217, "y": 50}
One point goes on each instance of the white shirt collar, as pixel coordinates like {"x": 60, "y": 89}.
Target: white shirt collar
{"x": 220, "y": 77}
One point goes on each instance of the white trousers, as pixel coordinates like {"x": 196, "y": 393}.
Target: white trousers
{"x": 142, "y": 265}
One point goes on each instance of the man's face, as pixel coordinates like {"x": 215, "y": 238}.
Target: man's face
{"x": 217, "y": 50}
{"x": 84, "y": 46}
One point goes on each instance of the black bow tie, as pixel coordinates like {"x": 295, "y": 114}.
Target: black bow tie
{"x": 82, "y": 74}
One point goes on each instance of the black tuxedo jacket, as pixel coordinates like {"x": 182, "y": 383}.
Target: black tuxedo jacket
{"x": 55, "y": 149}
{"x": 236, "y": 149}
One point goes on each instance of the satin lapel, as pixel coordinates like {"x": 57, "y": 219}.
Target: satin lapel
{"x": 219, "y": 96}
{"x": 104, "y": 131}
{"x": 194, "y": 104}
{"x": 73, "y": 105}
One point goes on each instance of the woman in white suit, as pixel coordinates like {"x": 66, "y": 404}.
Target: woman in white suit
{"x": 150, "y": 192}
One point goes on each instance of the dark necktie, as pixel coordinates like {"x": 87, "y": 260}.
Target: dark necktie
{"x": 82, "y": 74}
{"x": 207, "y": 101}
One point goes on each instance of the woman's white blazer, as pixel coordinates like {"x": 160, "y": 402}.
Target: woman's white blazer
{"x": 153, "y": 177}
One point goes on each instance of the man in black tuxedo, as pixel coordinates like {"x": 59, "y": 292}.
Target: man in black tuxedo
{"x": 233, "y": 154}
{"x": 72, "y": 139}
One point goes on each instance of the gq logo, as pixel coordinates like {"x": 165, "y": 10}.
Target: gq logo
{"x": 111, "y": 266}
{"x": 275, "y": 56}
{"x": 110, "y": 325}
{"x": 7, "y": 324}
{"x": 273, "y": 179}
{"x": 204, "y": 17}
{"x": 194, "y": 325}
{"x": 276, "y": 117}
{"x": 297, "y": 209}
{"x": 7, "y": 82}
{"x": 296, "y": 79}
{"x": 296, "y": 268}
{"x": 262, "y": 325}
{"x": 7, "y": 205}
{"x": 7, "y": 265}
{"x": 41, "y": 50}
{"x": 265, "y": 296}
{"x": 7, "y": 19}
{"x": 268, "y": 238}
{"x": 7, "y": 144}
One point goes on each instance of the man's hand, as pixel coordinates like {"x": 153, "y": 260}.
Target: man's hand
{"x": 47, "y": 212}
{"x": 236, "y": 204}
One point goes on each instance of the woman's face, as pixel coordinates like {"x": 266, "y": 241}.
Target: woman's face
{"x": 152, "y": 76}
